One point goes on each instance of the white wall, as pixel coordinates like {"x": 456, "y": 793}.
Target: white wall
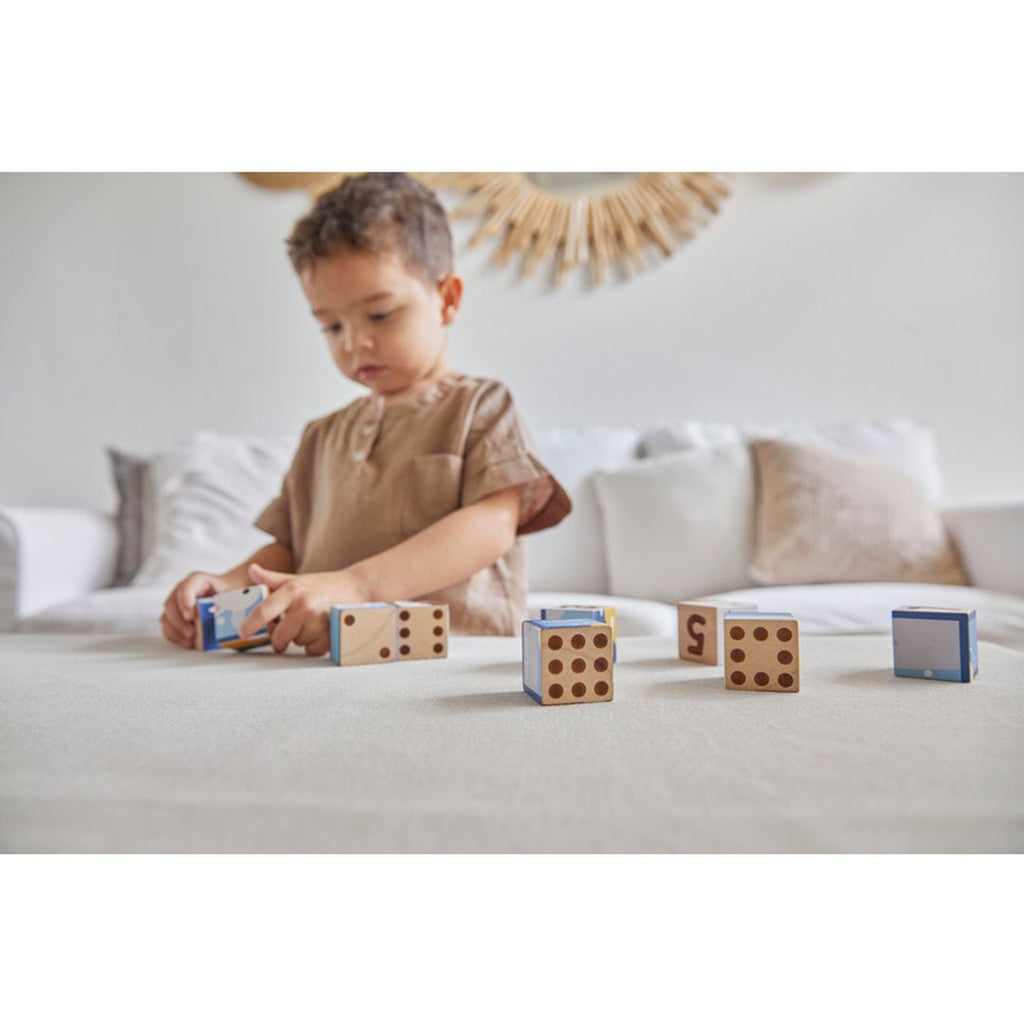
{"x": 134, "y": 308}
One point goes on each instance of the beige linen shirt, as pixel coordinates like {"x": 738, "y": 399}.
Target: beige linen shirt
{"x": 370, "y": 475}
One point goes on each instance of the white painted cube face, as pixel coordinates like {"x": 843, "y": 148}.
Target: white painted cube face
{"x": 935, "y": 643}
{"x": 927, "y": 645}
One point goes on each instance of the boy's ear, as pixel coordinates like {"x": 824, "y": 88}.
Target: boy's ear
{"x": 449, "y": 287}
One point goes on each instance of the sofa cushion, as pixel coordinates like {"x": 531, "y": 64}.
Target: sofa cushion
{"x": 830, "y": 517}
{"x": 132, "y": 610}
{"x": 867, "y": 607}
{"x": 821, "y": 608}
{"x": 571, "y": 556}
{"x": 681, "y": 524}
{"x": 205, "y": 494}
{"x": 136, "y": 610}
{"x": 900, "y": 442}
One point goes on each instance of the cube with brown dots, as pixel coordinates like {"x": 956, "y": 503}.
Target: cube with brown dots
{"x": 762, "y": 652}
{"x": 422, "y": 630}
{"x": 364, "y": 634}
{"x": 568, "y": 661}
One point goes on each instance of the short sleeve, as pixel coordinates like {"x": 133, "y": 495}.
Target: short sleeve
{"x": 277, "y": 518}
{"x": 500, "y": 454}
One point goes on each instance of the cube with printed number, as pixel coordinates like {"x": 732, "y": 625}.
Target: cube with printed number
{"x": 364, "y": 634}
{"x": 762, "y": 651}
{"x": 935, "y": 643}
{"x": 422, "y": 630}
{"x": 567, "y": 661}
{"x": 700, "y": 628}
{"x": 218, "y": 619}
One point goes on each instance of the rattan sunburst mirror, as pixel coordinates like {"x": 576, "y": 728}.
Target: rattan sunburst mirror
{"x": 593, "y": 220}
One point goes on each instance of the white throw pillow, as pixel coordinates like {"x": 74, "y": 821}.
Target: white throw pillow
{"x": 202, "y": 499}
{"x": 680, "y": 525}
{"x": 571, "y": 555}
{"x": 900, "y": 442}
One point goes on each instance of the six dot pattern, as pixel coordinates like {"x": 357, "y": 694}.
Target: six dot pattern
{"x": 566, "y": 662}
{"x": 436, "y": 628}
{"x": 785, "y": 680}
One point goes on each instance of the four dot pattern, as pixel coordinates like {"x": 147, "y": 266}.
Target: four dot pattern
{"x": 762, "y": 654}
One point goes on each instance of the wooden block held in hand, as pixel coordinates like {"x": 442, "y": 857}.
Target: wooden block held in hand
{"x": 218, "y": 618}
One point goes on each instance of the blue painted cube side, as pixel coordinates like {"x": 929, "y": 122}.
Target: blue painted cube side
{"x": 335, "y": 620}
{"x": 574, "y": 613}
{"x": 206, "y": 627}
{"x": 531, "y": 660}
{"x": 731, "y": 614}
{"x": 972, "y": 642}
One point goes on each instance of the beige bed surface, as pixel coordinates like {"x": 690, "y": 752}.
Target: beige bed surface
{"x": 126, "y": 744}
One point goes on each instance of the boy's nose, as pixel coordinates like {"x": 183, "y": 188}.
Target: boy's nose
{"x": 357, "y": 342}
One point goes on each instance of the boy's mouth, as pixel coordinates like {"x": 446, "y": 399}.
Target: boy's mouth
{"x": 369, "y": 371}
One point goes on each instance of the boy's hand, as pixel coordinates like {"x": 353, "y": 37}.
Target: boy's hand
{"x": 178, "y": 618}
{"x": 303, "y": 604}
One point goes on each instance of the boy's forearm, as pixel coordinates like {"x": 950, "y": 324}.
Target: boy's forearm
{"x": 447, "y": 552}
{"x": 274, "y": 556}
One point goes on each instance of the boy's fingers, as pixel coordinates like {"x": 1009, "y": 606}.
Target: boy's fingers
{"x": 173, "y": 634}
{"x": 318, "y": 647}
{"x": 189, "y": 592}
{"x": 270, "y": 577}
{"x": 284, "y": 633}
{"x": 263, "y": 613}
{"x": 172, "y": 613}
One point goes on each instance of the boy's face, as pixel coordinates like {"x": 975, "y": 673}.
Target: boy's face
{"x": 385, "y": 325}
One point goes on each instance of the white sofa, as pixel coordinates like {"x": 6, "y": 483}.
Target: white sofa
{"x": 57, "y": 564}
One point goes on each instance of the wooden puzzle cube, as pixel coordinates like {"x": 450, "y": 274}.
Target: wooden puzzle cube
{"x": 762, "y": 651}
{"x": 567, "y": 661}
{"x": 935, "y": 643}
{"x": 422, "y": 630}
{"x": 599, "y": 613}
{"x": 218, "y": 618}
{"x": 364, "y": 634}
{"x": 700, "y": 629}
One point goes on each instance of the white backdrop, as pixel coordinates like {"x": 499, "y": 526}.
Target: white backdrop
{"x": 135, "y": 308}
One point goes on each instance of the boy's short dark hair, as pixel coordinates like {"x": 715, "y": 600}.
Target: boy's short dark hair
{"x": 377, "y": 212}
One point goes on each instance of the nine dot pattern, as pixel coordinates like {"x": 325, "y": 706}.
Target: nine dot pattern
{"x": 786, "y": 680}
{"x": 562, "y": 650}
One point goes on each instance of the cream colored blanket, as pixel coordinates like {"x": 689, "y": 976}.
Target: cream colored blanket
{"x": 126, "y": 744}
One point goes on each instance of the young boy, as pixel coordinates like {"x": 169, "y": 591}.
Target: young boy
{"x": 419, "y": 489}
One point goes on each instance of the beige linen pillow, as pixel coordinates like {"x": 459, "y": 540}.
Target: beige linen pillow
{"x": 827, "y": 517}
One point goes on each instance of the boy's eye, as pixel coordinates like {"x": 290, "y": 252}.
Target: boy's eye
{"x": 332, "y": 329}
{"x": 378, "y": 317}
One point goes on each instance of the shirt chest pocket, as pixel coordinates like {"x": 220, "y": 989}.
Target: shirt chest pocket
{"x": 433, "y": 489}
